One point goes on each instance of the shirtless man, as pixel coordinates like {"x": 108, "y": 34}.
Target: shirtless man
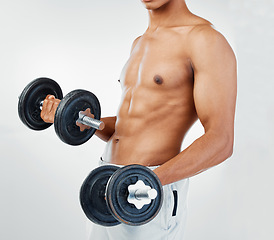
{"x": 180, "y": 70}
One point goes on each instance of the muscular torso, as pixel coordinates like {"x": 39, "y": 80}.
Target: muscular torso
{"x": 157, "y": 106}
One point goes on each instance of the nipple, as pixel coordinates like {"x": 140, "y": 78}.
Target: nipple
{"x": 158, "y": 79}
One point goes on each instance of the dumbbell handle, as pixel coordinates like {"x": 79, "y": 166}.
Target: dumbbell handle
{"x": 144, "y": 193}
{"x": 91, "y": 122}
{"x": 88, "y": 121}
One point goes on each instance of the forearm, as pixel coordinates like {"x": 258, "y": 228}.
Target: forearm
{"x": 206, "y": 152}
{"x": 109, "y": 129}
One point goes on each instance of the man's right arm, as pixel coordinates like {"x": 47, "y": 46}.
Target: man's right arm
{"x": 109, "y": 129}
{"x": 50, "y": 105}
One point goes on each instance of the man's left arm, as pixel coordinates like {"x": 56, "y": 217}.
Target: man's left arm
{"x": 215, "y": 87}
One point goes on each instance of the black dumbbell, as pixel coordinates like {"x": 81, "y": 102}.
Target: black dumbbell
{"x": 111, "y": 195}
{"x": 68, "y": 112}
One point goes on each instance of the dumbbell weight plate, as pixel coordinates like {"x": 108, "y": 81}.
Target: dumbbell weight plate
{"x": 31, "y": 97}
{"x": 67, "y": 114}
{"x": 92, "y": 196}
{"x": 117, "y": 194}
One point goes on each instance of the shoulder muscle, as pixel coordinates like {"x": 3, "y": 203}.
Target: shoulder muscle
{"x": 209, "y": 47}
{"x": 134, "y": 43}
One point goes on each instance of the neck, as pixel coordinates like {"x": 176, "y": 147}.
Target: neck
{"x": 173, "y": 13}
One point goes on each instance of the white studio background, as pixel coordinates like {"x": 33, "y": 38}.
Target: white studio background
{"x": 84, "y": 44}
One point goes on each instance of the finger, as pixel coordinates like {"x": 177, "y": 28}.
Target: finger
{"x": 47, "y": 111}
{"x": 45, "y": 103}
{"x": 44, "y": 107}
{"x": 54, "y": 106}
{"x": 48, "y": 107}
{"x": 50, "y": 97}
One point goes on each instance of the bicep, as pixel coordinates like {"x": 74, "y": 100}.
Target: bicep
{"x": 215, "y": 84}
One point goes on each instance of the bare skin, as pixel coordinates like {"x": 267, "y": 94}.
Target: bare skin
{"x": 179, "y": 70}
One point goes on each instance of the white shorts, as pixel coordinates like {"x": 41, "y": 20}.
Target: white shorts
{"x": 169, "y": 224}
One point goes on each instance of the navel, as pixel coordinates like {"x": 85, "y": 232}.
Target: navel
{"x": 158, "y": 79}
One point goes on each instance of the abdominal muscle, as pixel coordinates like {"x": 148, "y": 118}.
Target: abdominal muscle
{"x": 149, "y": 129}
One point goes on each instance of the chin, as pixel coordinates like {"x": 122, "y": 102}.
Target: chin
{"x": 154, "y": 4}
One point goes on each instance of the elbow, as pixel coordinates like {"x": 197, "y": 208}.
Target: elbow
{"x": 228, "y": 146}
{"x": 229, "y": 151}
{"x": 224, "y": 142}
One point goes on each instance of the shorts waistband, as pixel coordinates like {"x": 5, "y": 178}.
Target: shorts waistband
{"x": 102, "y": 162}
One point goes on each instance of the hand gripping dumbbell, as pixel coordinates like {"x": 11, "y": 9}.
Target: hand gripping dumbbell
{"x": 68, "y": 113}
{"x": 111, "y": 195}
